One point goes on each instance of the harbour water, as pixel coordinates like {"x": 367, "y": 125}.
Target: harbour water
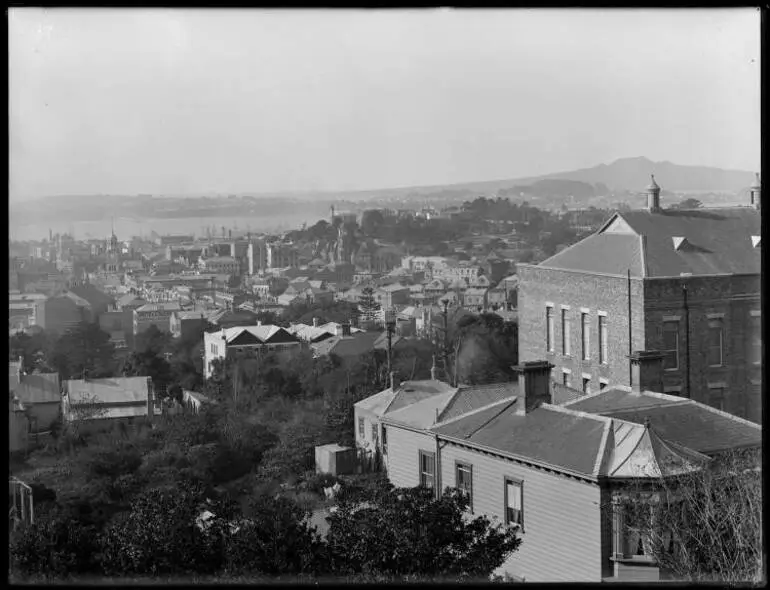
{"x": 127, "y": 227}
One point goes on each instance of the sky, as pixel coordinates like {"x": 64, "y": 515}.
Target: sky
{"x": 177, "y": 101}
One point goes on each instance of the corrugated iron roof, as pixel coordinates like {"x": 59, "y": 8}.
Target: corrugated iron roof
{"x": 411, "y": 392}
{"x": 39, "y": 388}
{"x": 116, "y": 390}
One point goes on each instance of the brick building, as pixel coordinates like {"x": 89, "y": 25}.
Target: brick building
{"x": 685, "y": 283}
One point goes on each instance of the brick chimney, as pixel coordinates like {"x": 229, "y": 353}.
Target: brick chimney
{"x": 433, "y": 369}
{"x": 315, "y": 322}
{"x": 646, "y": 371}
{"x": 346, "y": 329}
{"x": 534, "y": 385}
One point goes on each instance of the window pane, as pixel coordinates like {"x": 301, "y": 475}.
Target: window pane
{"x": 565, "y": 332}
{"x": 671, "y": 345}
{"x": 715, "y": 346}
{"x": 549, "y": 328}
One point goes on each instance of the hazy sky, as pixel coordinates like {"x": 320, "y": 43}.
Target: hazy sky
{"x": 174, "y": 101}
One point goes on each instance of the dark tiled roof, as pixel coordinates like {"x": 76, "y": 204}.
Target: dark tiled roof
{"x": 696, "y": 426}
{"x": 546, "y": 435}
{"x": 721, "y": 240}
{"x": 347, "y": 346}
{"x": 601, "y": 253}
{"x": 473, "y": 397}
{"x": 561, "y": 394}
{"x": 679, "y": 420}
{"x": 91, "y": 294}
{"x": 718, "y": 242}
{"x": 620, "y": 399}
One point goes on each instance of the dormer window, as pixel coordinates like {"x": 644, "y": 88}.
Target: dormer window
{"x": 756, "y": 241}
{"x": 679, "y": 242}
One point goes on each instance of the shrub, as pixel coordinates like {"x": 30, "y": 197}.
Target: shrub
{"x": 54, "y": 546}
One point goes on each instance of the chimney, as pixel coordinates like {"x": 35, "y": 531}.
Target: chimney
{"x": 653, "y": 196}
{"x": 433, "y": 369}
{"x": 346, "y": 329}
{"x": 646, "y": 371}
{"x": 534, "y": 385}
{"x": 315, "y": 322}
{"x": 756, "y": 193}
{"x": 394, "y": 381}
{"x": 259, "y": 322}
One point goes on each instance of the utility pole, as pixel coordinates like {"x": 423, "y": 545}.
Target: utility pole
{"x": 445, "y": 313}
{"x": 390, "y": 325}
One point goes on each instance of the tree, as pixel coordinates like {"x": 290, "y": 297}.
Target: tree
{"x": 706, "y": 525}
{"x": 367, "y": 305}
{"x": 275, "y": 539}
{"x": 688, "y": 203}
{"x": 417, "y": 535}
{"x": 84, "y": 351}
{"x": 159, "y": 535}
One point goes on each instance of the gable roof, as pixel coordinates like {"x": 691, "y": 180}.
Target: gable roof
{"x": 259, "y": 334}
{"x": 107, "y": 391}
{"x": 468, "y": 398}
{"x": 668, "y": 243}
{"x": 91, "y": 294}
{"x": 678, "y": 420}
{"x": 411, "y": 392}
{"x": 356, "y": 344}
{"x": 39, "y": 388}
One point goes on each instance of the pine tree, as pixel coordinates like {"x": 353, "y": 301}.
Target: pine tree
{"x": 367, "y": 305}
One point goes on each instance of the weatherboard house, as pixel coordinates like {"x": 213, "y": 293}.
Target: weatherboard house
{"x": 684, "y": 283}
{"x": 245, "y": 342}
{"x": 560, "y": 474}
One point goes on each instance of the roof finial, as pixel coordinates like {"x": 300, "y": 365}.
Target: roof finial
{"x": 647, "y": 422}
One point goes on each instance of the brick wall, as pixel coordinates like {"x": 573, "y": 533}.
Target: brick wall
{"x": 732, "y": 297}
{"x": 539, "y": 286}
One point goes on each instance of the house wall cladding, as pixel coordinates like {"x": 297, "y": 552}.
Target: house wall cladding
{"x": 403, "y": 455}
{"x": 538, "y": 286}
{"x": 734, "y": 297}
{"x": 562, "y": 538}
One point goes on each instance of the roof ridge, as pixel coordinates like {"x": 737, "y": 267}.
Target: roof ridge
{"x": 647, "y": 407}
{"x": 602, "y": 448}
{"x": 578, "y": 413}
{"x": 732, "y": 417}
{"x": 633, "y": 450}
{"x": 471, "y": 412}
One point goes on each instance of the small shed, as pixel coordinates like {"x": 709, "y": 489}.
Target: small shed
{"x": 335, "y": 459}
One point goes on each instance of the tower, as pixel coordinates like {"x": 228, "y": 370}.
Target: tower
{"x": 653, "y": 195}
{"x": 756, "y": 193}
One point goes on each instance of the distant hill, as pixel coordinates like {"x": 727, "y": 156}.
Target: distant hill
{"x": 634, "y": 174}
{"x": 626, "y": 174}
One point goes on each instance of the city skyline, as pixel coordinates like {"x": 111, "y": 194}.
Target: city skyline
{"x": 301, "y": 101}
